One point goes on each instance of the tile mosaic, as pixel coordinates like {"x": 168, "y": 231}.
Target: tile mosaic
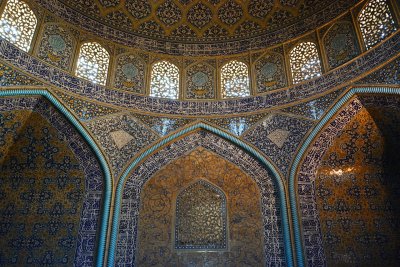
{"x": 127, "y": 239}
{"x": 286, "y": 133}
{"x": 237, "y": 125}
{"x": 10, "y": 77}
{"x": 85, "y": 110}
{"x": 314, "y": 109}
{"x": 341, "y": 75}
{"x": 104, "y": 130}
{"x": 90, "y": 197}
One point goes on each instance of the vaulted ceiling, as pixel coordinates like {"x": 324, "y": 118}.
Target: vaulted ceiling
{"x": 202, "y": 20}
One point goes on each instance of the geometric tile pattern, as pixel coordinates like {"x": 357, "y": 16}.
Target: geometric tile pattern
{"x": 175, "y": 178}
{"x": 389, "y": 74}
{"x": 198, "y": 27}
{"x": 90, "y": 197}
{"x": 306, "y": 188}
{"x": 286, "y": 134}
{"x": 85, "y": 110}
{"x": 135, "y": 136}
{"x": 316, "y": 108}
{"x": 10, "y": 77}
{"x": 127, "y": 233}
{"x": 356, "y": 196}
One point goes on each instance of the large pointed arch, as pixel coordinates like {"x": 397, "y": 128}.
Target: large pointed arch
{"x": 102, "y": 239}
{"x": 231, "y": 140}
{"x": 316, "y": 144}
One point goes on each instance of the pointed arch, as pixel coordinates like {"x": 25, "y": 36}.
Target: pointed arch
{"x": 232, "y": 141}
{"x": 320, "y": 132}
{"x": 97, "y": 152}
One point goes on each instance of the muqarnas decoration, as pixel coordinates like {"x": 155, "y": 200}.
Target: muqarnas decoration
{"x": 130, "y": 73}
{"x": 270, "y": 72}
{"x": 57, "y": 46}
{"x": 200, "y": 81}
{"x": 340, "y": 44}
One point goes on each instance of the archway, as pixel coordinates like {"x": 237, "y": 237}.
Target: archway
{"x": 370, "y": 102}
{"x": 125, "y": 215}
{"x": 59, "y": 132}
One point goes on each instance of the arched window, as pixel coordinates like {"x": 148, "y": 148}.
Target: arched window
{"x": 376, "y": 22}
{"x": 164, "y": 80}
{"x": 201, "y": 217}
{"x": 93, "y": 63}
{"x": 235, "y": 79}
{"x": 18, "y": 23}
{"x": 304, "y": 62}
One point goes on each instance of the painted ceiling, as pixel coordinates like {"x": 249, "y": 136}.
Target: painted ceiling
{"x": 201, "y": 21}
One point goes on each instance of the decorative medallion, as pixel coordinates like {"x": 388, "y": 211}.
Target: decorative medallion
{"x": 270, "y": 73}
{"x": 199, "y": 15}
{"x": 230, "y": 13}
{"x": 137, "y": 8}
{"x": 169, "y": 13}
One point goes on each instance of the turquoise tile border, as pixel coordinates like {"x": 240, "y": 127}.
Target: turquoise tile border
{"x": 278, "y": 182}
{"x": 292, "y": 183}
{"x": 107, "y": 179}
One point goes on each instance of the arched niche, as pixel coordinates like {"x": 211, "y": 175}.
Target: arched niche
{"x": 51, "y": 189}
{"x": 127, "y": 236}
{"x": 347, "y": 183}
{"x": 200, "y": 234}
{"x": 201, "y": 217}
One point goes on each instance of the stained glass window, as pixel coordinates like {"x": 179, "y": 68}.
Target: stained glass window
{"x": 93, "y": 63}
{"x": 304, "y": 62}
{"x": 376, "y": 22}
{"x": 164, "y": 80}
{"x": 235, "y": 79}
{"x": 18, "y": 23}
{"x": 201, "y": 217}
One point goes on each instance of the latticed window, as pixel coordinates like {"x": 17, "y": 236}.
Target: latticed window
{"x": 201, "y": 217}
{"x": 304, "y": 62}
{"x": 164, "y": 80}
{"x": 18, "y": 23}
{"x": 376, "y": 22}
{"x": 235, "y": 79}
{"x": 93, "y": 63}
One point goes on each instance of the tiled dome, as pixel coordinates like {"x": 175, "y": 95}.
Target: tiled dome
{"x": 202, "y": 26}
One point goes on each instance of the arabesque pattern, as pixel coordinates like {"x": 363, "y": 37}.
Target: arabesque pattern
{"x": 200, "y": 217}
